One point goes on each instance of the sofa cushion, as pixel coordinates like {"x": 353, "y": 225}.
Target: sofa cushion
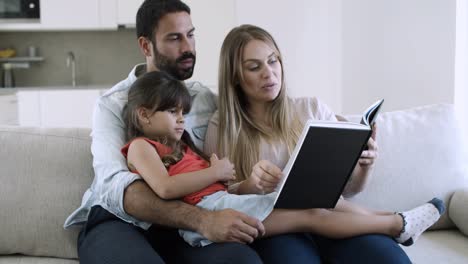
{"x": 44, "y": 175}
{"x": 35, "y": 260}
{"x": 420, "y": 157}
{"x": 458, "y": 210}
{"x": 441, "y": 246}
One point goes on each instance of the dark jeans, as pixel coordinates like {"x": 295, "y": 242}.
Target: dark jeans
{"x": 107, "y": 239}
{"x": 306, "y": 248}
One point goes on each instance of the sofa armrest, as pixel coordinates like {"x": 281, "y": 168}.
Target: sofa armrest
{"x": 458, "y": 210}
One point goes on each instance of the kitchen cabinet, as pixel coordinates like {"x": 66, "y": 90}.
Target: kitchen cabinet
{"x": 78, "y": 15}
{"x": 71, "y": 15}
{"x": 56, "y": 108}
{"x": 8, "y": 109}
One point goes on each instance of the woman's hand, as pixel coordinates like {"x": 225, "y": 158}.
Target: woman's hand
{"x": 369, "y": 156}
{"x": 265, "y": 176}
{"x": 222, "y": 168}
{"x": 363, "y": 171}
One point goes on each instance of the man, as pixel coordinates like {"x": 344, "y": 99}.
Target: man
{"x": 120, "y": 214}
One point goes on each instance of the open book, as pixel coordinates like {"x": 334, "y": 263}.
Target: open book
{"x": 323, "y": 160}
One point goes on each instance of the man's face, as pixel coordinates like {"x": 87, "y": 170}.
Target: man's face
{"x": 174, "y": 45}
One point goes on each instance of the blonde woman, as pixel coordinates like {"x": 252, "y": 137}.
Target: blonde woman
{"x": 257, "y": 127}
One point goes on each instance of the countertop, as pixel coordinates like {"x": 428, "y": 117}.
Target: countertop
{"x": 53, "y": 88}
{"x": 49, "y": 106}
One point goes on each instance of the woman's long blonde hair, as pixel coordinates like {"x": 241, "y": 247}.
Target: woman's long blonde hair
{"x": 239, "y": 137}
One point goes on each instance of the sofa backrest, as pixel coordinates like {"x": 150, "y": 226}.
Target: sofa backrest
{"x": 44, "y": 173}
{"x": 420, "y": 157}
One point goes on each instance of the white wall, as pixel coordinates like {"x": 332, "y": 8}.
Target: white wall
{"x": 461, "y": 65}
{"x": 307, "y": 31}
{"x": 212, "y": 20}
{"x": 348, "y": 53}
{"x": 309, "y": 35}
{"x": 400, "y": 50}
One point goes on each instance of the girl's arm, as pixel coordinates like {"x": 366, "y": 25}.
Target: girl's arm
{"x": 147, "y": 162}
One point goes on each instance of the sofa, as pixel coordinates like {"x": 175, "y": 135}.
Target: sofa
{"x": 45, "y": 171}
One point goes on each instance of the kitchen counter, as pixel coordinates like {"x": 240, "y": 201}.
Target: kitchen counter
{"x": 50, "y": 106}
{"x": 59, "y": 87}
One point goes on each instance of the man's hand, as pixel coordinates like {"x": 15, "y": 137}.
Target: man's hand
{"x": 265, "y": 176}
{"x": 230, "y": 226}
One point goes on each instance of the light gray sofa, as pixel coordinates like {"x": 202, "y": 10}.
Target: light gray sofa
{"x": 44, "y": 173}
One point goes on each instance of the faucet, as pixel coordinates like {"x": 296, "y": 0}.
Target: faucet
{"x": 71, "y": 63}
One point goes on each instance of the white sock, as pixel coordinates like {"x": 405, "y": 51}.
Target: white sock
{"x": 419, "y": 219}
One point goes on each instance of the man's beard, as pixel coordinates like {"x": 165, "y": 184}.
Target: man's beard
{"x": 171, "y": 67}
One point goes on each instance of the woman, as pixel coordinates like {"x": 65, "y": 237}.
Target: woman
{"x": 259, "y": 128}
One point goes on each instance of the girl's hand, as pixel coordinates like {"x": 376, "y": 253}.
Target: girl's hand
{"x": 223, "y": 169}
{"x": 265, "y": 176}
{"x": 369, "y": 156}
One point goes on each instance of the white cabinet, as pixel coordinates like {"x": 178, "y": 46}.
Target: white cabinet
{"x": 71, "y": 15}
{"x": 126, "y": 11}
{"x": 8, "y": 109}
{"x": 79, "y": 15}
{"x": 56, "y": 108}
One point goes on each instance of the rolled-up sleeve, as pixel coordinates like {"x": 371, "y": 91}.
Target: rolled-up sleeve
{"x": 110, "y": 167}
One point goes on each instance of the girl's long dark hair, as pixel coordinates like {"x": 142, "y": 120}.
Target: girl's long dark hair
{"x": 158, "y": 91}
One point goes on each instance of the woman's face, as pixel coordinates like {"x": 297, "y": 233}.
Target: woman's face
{"x": 262, "y": 72}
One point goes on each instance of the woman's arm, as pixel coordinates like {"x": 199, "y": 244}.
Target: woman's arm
{"x": 363, "y": 170}
{"x": 264, "y": 179}
{"x": 147, "y": 162}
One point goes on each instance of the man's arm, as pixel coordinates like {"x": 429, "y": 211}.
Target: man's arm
{"x": 130, "y": 199}
{"x": 218, "y": 226}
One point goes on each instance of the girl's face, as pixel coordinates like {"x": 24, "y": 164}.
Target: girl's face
{"x": 262, "y": 72}
{"x": 168, "y": 123}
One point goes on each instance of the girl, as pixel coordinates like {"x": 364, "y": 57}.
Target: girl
{"x": 161, "y": 151}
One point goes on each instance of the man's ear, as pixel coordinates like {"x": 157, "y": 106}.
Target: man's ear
{"x": 143, "y": 115}
{"x": 146, "y": 46}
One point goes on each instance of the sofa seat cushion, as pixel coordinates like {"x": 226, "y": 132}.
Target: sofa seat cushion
{"x": 35, "y": 260}
{"x": 44, "y": 175}
{"x": 458, "y": 210}
{"x": 420, "y": 157}
{"x": 439, "y": 246}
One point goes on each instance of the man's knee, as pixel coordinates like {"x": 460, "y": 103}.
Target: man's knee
{"x": 115, "y": 241}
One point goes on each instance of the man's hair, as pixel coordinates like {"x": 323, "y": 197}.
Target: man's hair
{"x": 151, "y": 11}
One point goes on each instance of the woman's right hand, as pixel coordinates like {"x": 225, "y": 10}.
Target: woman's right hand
{"x": 222, "y": 168}
{"x": 265, "y": 176}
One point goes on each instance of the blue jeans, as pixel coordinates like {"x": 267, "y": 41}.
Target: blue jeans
{"x": 307, "y": 248}
{"x": 362, "y": 249}
{"x": 107, "y": 239}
